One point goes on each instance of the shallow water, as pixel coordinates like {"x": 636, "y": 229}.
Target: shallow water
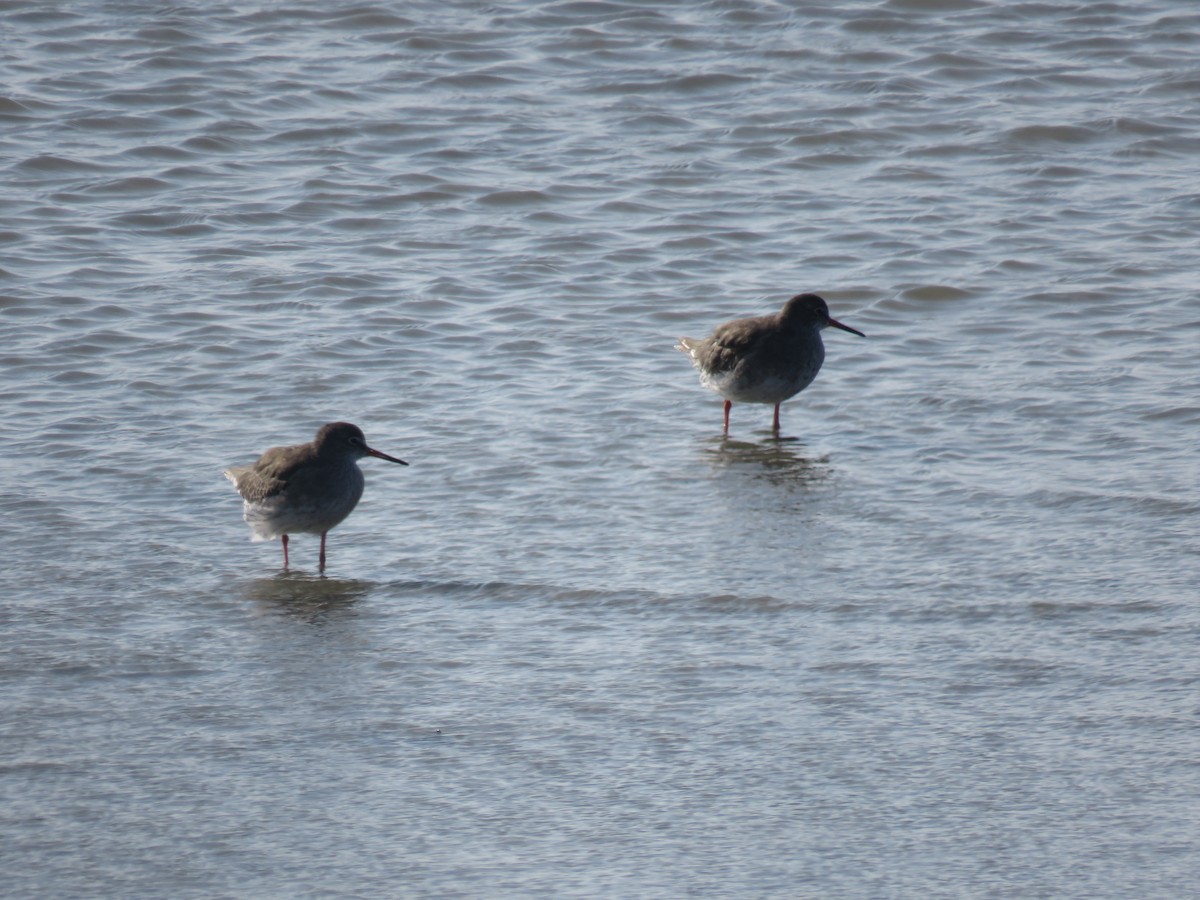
{"x": 937, "y": 640}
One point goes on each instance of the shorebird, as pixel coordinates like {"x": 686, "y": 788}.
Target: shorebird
{"x": 765, "y": 359}
{"x": 308, "y": 488}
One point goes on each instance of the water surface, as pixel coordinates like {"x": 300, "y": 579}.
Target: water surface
{"x": 936, "y": 640}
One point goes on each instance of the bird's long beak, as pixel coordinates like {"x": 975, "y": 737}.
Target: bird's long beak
{"x": 836, "y": 324}
{"x": 379, "y": 455}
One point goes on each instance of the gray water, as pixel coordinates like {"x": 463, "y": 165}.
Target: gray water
{"x": 939, "y": 639}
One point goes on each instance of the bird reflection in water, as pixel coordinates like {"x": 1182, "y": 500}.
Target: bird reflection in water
{"x": 778, "y": 460}
{"x": 315, "y": 599}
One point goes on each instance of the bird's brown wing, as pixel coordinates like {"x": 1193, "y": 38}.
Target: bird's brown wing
{"x": 732, "y": 343}
{"x": 270, "y": 475}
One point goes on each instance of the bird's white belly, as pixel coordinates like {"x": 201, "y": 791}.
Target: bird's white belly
{"x": 271, "y": 518}
{"x": 769, "y": 389}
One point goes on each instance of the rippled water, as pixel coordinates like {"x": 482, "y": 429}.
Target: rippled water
{"x": 938, "y": 640}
